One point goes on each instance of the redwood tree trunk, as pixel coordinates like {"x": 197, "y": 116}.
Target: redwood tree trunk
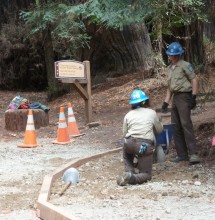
{"x": 49, "y": 60}
{"x": 209, "y": 27}
{"x": 115, "y": 52}
{"x": 194, "y": 44}
{"x": 191, "y": 39}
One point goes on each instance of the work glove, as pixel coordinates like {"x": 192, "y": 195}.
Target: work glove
{"x": 164, "y": 107}
{"x": 193, "y": 102}
{"x": 143, "y": 148}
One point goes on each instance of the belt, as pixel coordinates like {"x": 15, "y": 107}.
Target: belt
{"x": 141, "y": 139}
{"x": 177, "y": 93}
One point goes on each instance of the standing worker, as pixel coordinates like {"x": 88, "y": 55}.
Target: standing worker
{"x": 182, "y": 87}
{"x": 138, "y": 131}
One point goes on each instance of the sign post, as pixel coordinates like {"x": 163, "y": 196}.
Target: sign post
{"x": 69, "y": 71}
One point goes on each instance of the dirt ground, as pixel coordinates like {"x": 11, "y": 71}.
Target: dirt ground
{"x": 174, "y": 189}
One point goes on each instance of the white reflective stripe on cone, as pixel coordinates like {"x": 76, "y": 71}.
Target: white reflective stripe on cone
{"x": 70, "y": 111}
{"x": 62, "y": 116}
{"x": 30, "y": 127}
{"x": 30, "y": 118}
{"x": 71, "y": 119}
{"x": 62, "y": 125}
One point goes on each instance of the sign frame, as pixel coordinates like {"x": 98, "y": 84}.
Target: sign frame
{"x": 69, "y": 63}
{"x": 84, "y": 90}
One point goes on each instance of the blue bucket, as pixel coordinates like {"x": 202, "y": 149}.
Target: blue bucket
{"x": 164, "y": 138}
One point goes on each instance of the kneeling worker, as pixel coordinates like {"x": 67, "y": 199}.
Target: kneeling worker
{"x": 138, "y": 131}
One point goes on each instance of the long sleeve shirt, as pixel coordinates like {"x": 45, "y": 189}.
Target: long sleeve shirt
{"x": 141, "y": 123}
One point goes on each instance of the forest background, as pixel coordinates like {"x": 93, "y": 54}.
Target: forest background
{"x": 117, "y": 37}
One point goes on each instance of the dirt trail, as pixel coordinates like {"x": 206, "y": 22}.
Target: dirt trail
{"x": 177, "y": 191}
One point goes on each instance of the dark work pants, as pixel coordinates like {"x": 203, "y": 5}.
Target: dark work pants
{"x": 130, "y": 149}
{"x": 183, "y": 135}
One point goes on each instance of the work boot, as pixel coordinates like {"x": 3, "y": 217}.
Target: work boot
{"x": 124, "y": 179}
{"x": 194, "y": 158}
{"x": 178, "y": 159}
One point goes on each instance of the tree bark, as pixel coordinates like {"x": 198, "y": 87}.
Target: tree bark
{"x": 55, "y": 89}
{"x": 194, "y": 43}
{"x": 115, "y": 52}
{"x": 49, "y": 60}
{"x": 16, "y": 120}
{"x": 191, "y": 39}
{"x": 209, "y": 32}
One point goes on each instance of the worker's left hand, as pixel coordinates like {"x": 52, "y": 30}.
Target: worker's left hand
{"x": 164, "y": 107}
{"x": 193, "y": 102}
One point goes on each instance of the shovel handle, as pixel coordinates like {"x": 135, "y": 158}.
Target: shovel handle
{"x": 64, "y": 188}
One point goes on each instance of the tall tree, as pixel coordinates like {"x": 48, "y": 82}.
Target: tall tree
{"x": 54, "y": 20}
{"x": 53, "y": 85}
{"x": 164, "y": 17}
{"x": 116, "y": 52}
{"x": 209, "y": 28}
{"x": 19, "y": 58}
{"x": 61, "y": 23}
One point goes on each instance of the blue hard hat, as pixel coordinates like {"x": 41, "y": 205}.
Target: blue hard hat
{"x": 174, "y": 49}
{"x": 137, "y": 96}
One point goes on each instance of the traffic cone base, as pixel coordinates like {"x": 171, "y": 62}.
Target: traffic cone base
{"x": 30, "y": 133}
{"x": 62, "y": 133}
{"x": 28, "y": 145}
{"x": 72, "y": 125}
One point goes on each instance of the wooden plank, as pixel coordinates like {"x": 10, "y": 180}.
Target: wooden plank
{"x": 81, "y": 91}
{"x": 46, "y": 188}
{"x": 88, "y": 102}
{"x": 48, "y": 211}
{"x": 71, "y": 80}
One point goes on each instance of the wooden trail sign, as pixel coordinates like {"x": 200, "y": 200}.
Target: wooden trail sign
{"x": 69, "y": 71}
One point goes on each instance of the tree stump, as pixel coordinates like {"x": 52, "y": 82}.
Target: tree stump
{"x": 16, "y": 120}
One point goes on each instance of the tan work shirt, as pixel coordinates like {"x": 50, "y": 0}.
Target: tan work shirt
{"x": 180, "y": 76}
{"x": 141, "y": 123}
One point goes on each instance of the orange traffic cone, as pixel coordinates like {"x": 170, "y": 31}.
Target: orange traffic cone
{"x": 62, "y": 133}
{"x": 30, "y": 133}
{"x": 72, "y": 125}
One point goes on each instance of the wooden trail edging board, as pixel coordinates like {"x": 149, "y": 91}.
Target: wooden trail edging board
{"x": 48, "y": 211}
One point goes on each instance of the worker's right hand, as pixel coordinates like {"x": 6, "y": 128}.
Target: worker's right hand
{"x": 164, "y": 107}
